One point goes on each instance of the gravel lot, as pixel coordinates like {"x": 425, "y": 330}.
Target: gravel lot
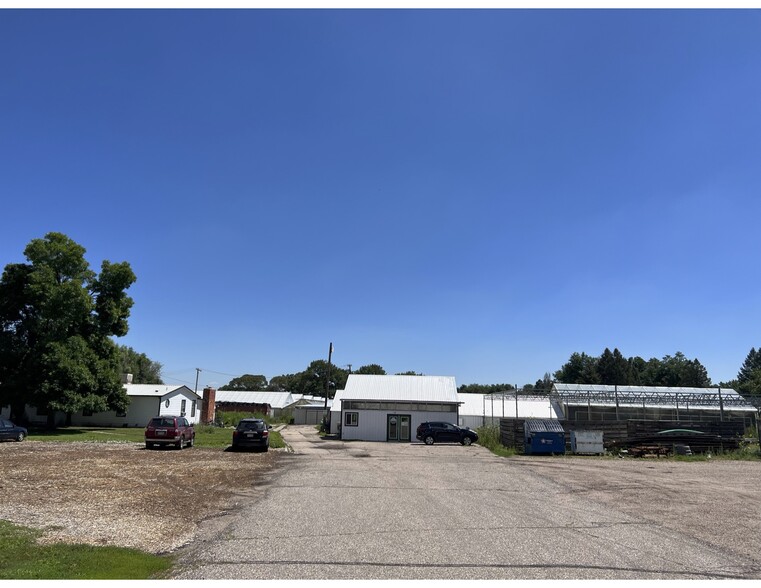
{"x": 403, "y": 511}
{"x": 120, "y": 493}
{"x": 717, "y": 502}
{"x": 357, "y": 510}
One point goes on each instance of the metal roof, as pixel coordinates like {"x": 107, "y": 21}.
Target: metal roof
{"x": 274, "y": 399}
{"x": 504, "y": 406}
{"x": 543, "y": 426}
{"x": 156, "y": 390}
{"x": 652, "y": 396}
{"x": 401, "y": 388}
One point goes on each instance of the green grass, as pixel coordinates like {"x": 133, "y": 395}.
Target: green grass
{"x": 96, "y": 434}
{"x": 489, "y": 437}
{"x": 206, "y": 435}
{"x": 21, "y": 558}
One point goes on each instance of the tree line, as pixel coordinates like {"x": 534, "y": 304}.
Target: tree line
{"x": 610, "y": 368}
{"x": 312, "y": 381}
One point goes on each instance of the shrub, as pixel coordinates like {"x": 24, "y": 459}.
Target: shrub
{"x": 488, "y": 436}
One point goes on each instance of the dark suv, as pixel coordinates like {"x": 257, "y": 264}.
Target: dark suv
{"x": 169, "y": 430}
{"x": 252, "y": 433}
{"x": 436, "y": 432}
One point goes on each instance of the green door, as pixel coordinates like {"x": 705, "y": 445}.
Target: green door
{"x": 398, "y": 427}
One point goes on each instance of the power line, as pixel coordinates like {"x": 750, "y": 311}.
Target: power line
{"x": 220, "y": 373}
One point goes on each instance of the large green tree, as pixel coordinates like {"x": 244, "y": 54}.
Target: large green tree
{"x": 313, "y": 381}
{"x": 143, "y": 369}
{"x": 752, "y": 362}
{"x": 372, "y": 369}
{"x": 246, "y": 382}
{"x": 749, "y": 377}
{"x": 57, "y": 320}
{"x": 613, "y": 368}
{"x": 580, "y": 369}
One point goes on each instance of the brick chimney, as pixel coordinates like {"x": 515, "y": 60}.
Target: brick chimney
{"x": 208, "y": 408}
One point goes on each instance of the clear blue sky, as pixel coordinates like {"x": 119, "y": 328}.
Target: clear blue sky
{"x": 467, "y": 193}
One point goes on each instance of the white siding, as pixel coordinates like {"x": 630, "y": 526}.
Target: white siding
{"x": 477, "y": 410}
{"x": 142, "y": 408}
{"x": 372, "y": 423}
{"x": 139, "y": 412}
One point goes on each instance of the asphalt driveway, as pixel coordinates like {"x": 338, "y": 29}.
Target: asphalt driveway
{"x": 348, "y": 510}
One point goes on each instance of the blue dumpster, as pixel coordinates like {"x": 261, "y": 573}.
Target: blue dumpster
{"x": 543, "y": 437}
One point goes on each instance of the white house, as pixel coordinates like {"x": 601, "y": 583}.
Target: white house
{"x": 390, "y": 408}
{"x": 146, "y": 401}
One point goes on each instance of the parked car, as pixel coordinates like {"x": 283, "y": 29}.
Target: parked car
{"x": 10, "y": 431}
{"x": 252, "y": 433}
{"x": 169, "y": 430}
{"x": 437, "y": 432}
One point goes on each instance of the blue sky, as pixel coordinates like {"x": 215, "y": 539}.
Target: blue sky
{"x": 468, "y": 193}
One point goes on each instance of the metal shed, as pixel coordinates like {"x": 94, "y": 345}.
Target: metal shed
{"x": 543, "y": 437}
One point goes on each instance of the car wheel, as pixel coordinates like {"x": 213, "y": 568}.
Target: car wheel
{"x": 192, "y": 442}
{"x": 429, "y": 439}
{"x": 467, "y": 440}
{"x": 20, "y": 436}
{"x": 181, "y": 444}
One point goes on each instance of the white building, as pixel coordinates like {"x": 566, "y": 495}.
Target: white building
{"x": 390, "y": 408}
{"x": 273, "y": 404}
{"x": 146, "y": 401}
{"x": 311, "y": 413}
{"x": 478, "y": 410}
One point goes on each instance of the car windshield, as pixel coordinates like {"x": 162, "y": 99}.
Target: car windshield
{"x": 251, "y": 426}
{"x": 159, "y": 422}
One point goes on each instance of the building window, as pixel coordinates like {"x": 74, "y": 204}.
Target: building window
{"x": 351, "y": 419}
{"x": 86, "y": 412}
{"x": 121, "y": 413}
{"x": 182, "y": 407}
{"x": 193, "y": 409}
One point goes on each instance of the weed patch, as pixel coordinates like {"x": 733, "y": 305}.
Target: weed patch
{"x": 489, "y": 437}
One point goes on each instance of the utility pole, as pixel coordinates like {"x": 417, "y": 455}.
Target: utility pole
{"x": 325, "y": 418}
{"x": 198, "y": 371}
